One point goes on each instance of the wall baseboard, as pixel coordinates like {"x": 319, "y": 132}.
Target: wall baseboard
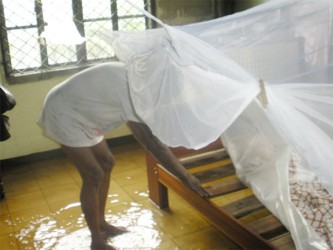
{"x": 56, "y": 153}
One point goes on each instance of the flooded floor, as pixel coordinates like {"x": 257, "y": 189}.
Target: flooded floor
{"x": 42, "y": 209}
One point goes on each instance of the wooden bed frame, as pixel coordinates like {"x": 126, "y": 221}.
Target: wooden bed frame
{"x": 245, "y": 220}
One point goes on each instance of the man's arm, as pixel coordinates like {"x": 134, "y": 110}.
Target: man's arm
{"x": 164, "y": 156}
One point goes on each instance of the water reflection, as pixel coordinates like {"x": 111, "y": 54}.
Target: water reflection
{"x": 45, "y": 232}
{"x": 138, "y": 237}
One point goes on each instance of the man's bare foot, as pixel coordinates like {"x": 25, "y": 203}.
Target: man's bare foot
{"x": 101, "y": 246}
{"x": 109, "y": 230}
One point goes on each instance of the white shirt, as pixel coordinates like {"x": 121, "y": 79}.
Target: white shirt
{"x": 81, "y": 109}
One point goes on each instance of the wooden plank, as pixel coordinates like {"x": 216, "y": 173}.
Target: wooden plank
{"x": 243, "y": 206}
{"x": 284, "y": 242}
{"x": 209, "y": 166}
{"x": 268, "y": 226}
{"x": 215, "y": 173}
{"x": 204, "y": 158}
{"x": 225, "y": 187}
{"x": 158, "y": 193}
{"x": 181, "y": 151}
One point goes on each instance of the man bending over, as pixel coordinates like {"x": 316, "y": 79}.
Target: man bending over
{"x": 77, "y": 113}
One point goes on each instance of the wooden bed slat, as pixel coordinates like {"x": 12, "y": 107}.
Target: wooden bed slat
{"x": 204, "y": 158}
{"x": 284, "y": 242}
{"x": 225, "y": 187}
{"x": 215, "y": 173}
{"x": 268, "y": 226}
{"x": 243, "y": 206}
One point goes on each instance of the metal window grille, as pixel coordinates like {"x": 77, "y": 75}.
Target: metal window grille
{"x": 22, "y": 23}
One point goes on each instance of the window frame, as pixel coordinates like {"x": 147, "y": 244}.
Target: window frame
{"x": 46, "y": 71}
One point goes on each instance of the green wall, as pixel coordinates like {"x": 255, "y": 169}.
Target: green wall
{"x": 245, "y": 4}
{"x": 176, "y": 12}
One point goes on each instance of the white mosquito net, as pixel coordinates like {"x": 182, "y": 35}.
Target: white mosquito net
{"x": 194, "y": 83}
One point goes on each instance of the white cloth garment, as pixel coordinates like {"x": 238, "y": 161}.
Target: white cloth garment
{"x": 79, "y": 111}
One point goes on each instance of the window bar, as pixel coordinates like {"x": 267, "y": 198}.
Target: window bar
{"x": 40, "y": 27}
{"x": 218, "y": 8}
{"x": 150, "y": 6}
{"x": 131, "y": 16}
{"x": 4, "y": 43}
{"x": 330, "y": 48}
{"x": 81, "y": 50}
{"x": 114, "y": 15}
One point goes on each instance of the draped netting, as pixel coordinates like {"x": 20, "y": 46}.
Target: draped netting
{"x": 177, "y": 89}
{"x": 194, "y": 83}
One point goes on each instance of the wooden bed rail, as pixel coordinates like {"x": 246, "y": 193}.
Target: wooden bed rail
{"x": 262, "y": 233}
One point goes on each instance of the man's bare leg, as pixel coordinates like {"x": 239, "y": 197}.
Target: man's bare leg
{"x": 93, "y": 178}
{"x": 106, "y": 160}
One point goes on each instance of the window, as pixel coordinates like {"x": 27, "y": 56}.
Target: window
{"x": 24, "y": 22}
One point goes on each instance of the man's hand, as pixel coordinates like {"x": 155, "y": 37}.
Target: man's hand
{"x": 194, "y": 184}
{"x": 164, "y": 156}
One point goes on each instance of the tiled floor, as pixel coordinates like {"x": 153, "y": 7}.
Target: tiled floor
{"x": 42, "y": 209}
